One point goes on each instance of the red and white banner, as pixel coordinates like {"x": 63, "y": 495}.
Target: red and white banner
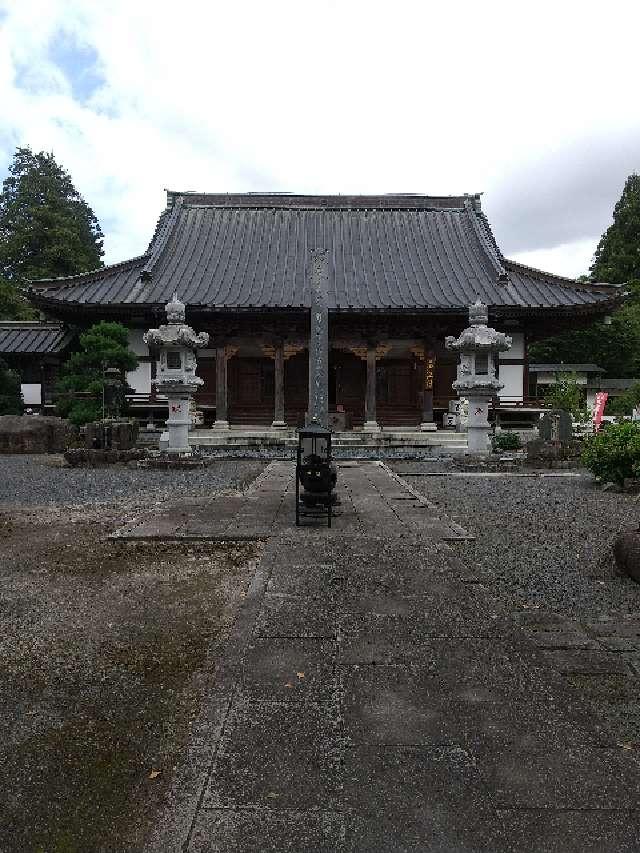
{"x": 598, "y": 409}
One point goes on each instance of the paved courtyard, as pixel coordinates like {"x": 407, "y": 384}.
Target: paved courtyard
{"x": 379, "y": 693}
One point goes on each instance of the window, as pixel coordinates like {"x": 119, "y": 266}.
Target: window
{"x": 482, "y": 364}
{"x": 174, "y": 362}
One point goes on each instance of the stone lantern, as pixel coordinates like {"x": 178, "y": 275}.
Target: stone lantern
{"x": 176, "y": 371}
{"x": 477, "y": 380}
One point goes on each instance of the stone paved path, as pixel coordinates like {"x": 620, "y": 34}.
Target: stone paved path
{"x": 375, "y": 697}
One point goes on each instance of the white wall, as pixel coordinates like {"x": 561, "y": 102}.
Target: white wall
{"x": 512, "y": 377}
{"x": 140, "y": 378}
{"x": 136, "y": 343}
{"x": 517, "y": 347}
{"x": 31, "y": 394}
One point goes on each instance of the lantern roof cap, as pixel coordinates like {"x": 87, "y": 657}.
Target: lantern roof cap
{"x": 478, "y": 337}
{"x": 478, "y": 313}
{"x": 175, "y": 308}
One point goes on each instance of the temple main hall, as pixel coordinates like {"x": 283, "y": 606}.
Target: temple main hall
{"x": 403, "y": 270}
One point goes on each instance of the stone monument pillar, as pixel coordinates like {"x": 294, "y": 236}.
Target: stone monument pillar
{"x": 278, "y": 387}
{"x": 428, "y": 424}
{"x": 477, "y": 379}
{"x": 176, "y": 371}
{"x": 319, "y": 340}
{"x": 222, "y": 390}
{"x": 370, "y": 407}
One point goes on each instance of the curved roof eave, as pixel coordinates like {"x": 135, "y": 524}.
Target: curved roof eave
{"x": 452, "y": 257}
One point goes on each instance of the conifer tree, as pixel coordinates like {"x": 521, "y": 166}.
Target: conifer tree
{"x": 616, "y": 346}
{"x": 46, "y": 229}
{"x": 617, "y": 257}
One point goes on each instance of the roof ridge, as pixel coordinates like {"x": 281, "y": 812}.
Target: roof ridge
{"x": 29, "y": 324}
{"x": 63, "y": 279}
{"x": 160, "y": 239}
{"x": 595, "y": 286}
{"x": 487, "y": 241}
{"x": 326, "y": 201}
{"x": 539, "y": 365}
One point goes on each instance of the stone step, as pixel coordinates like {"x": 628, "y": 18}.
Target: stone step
{"x": 340, "y": 441}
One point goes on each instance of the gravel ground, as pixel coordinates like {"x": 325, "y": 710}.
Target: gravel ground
{"x": 544, "y": 542}
{"x": 106, "y": 647}
{"x": 543, "y": 549}
{"x": 41, "y": 480}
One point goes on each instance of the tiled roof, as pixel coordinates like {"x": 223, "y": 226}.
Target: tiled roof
{"x": 618, "y": 384}
{"x": 565, "y": 368}
{"x": 248, "y": 251}
{"x": 24, "y": 337}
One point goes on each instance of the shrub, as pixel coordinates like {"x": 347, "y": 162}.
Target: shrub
{"x": 82, "y": 381}
{"x": 625, "y": 403}
{"x": 505, "y": 441}
{"x": 613, "y": 454}
{"x": 565, "y": 394}
{"x": 10, "y": 391}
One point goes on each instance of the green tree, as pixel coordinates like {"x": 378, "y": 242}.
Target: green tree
{"x": 82, "y": 380}
{"x": 13, "y": 305}
{"x": 46, "y": 229}
{"x": 10, "y": 391}
{"x": 565, "y": 394}
{"x": 617, "y": 256}
{"x": 625, "y": 403}
{"x": 614, "y": 346}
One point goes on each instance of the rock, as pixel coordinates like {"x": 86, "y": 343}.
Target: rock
{"x": 111, "y": 435}
{"x": 86, "y": 458}
{"x": 626, "y": 552}
{"x": 33, "y": 434}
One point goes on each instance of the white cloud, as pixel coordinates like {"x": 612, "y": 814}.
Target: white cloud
{"x": 351, "y": 96}
{"x": 570, "y": 259}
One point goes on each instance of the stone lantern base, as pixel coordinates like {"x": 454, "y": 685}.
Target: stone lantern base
{"x": 179, "y": 420}
{"x": 478, "y": 426}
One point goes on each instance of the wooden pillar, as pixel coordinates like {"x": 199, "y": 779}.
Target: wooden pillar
{"x": 371, "y": 423}
{"x": 278, "y": 387}
{"x": 43, "y": 388}
{"x": 222, "y": 412}
{"x": 428, "y": 423}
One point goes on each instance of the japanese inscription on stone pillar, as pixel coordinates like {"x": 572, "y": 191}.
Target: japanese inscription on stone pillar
{"x": 319, "y": 340}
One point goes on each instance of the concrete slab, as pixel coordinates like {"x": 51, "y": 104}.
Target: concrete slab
{"x": 576, "y": 831}
{"x": 586, "y": 662}
{"x": 379, "y": 696}
{"x": 415, "y": 799}
{"x": 289, "y": 670}
{"x": 276, "y": 755}
{"x": 582, "y": 778}
{"x": 284, "y": 616}
{"x": 268, "y": 830}
{"x": 410, "y": 705}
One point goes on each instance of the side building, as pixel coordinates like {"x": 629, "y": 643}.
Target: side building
{"x": 36, "y": 350}
{"x": 403, "y": 271}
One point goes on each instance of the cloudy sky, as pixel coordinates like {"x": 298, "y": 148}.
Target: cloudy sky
{"x": 535, "y": 104}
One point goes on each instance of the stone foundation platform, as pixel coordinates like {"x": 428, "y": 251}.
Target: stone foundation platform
{"x": 256, "y": 442}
